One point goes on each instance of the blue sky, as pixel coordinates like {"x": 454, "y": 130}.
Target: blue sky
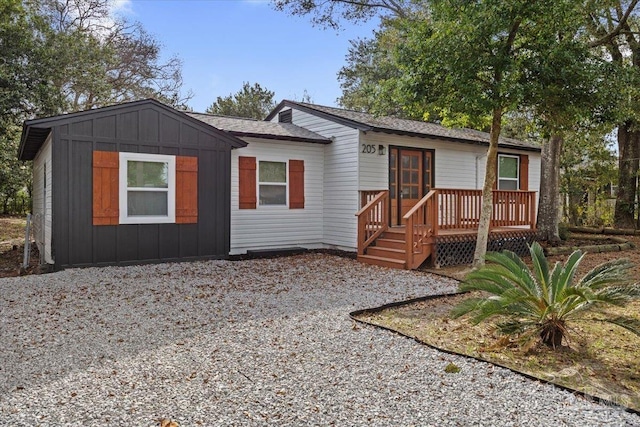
{"x": 224, "y": 43}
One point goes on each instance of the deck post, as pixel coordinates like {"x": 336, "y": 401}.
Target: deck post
{"x": 409, "y": 241}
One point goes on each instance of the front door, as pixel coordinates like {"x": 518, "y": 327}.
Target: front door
{"x": 410, "y": 178}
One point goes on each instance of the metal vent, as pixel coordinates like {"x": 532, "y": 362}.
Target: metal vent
{"x": 285, "y": 116}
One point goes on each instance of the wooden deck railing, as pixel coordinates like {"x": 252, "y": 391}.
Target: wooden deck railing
{"x": 372, "y": 220}
{"x": 368, "y": 195}
{"x": 419, "y": 227}
{"x": 460, "y": 209}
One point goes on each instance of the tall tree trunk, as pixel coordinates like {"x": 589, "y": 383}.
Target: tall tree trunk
{"x": 549, "y": 208}
{"x": 624, "y": 216}
{"x": 572, "y": 202}
{"x": 487, "y": 189}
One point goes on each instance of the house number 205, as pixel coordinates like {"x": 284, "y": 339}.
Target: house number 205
{"x": 368, "y": 148}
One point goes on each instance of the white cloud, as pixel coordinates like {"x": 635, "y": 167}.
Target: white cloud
{"x": 123, "y": 7}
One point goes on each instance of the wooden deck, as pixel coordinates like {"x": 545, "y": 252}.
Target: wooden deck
{"x": 442, "y": 227}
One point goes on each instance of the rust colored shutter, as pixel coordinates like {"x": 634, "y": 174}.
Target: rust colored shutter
{"x": 186, "y": 190}
{"x": 247, "y": 182}
{"x": 524, "y": 172}
{"x": 296, "y": 184}
{"x": 106, "y": 192}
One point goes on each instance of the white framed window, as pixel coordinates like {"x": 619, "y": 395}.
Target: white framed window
{"x": 508, "y": 172}
{"x": 147, "y": 188}
{"x": 272, "y": 183}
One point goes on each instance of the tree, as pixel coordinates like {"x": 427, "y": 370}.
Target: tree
{"x": 588, "y": 169}
{"x": 24, "y": 91}
{"x": 612, "y": 28}
{"x": 501, "y": 57}
{"x": 538, "y": 302}
{"x": 462, "y": 62}
{"x": 253, "y": 102}
{"x": 329, "y": 13}
{"x": 101, "y": 59}
{"x": 371, "y": 62}
{"x": 65, "y": 55}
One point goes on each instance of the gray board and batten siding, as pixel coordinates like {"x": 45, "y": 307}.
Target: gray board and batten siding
{"x": 138, "y": 127}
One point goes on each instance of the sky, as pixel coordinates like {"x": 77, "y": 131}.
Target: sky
{"x": 224, "y": 43}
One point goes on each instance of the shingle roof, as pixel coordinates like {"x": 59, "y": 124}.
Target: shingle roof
{"x": 394, "y": 125}
{"x": 36, "y": 131}
{"x": 261, "y": 129}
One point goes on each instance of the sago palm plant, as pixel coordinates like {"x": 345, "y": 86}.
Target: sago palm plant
{"x": 539, "y": 302}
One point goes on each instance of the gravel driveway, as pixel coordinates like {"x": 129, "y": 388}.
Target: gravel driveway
{"x": 261, "y": 342}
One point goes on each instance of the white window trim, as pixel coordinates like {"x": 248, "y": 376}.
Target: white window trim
{"x": 285, "y": 184}
{"x": 516, "y": 179}
{"x": 171, "y": 189}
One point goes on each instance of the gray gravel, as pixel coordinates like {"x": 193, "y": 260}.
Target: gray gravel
{"x": 261, "y": 342}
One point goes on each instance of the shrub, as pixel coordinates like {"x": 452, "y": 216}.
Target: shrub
{"x": 538, "y": 302}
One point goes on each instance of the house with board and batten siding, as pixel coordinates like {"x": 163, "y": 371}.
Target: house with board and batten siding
{"x": 143, "y": 182}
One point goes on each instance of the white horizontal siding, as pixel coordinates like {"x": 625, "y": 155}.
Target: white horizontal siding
{"x": 41, "y": 207}
{"x": 457, "y": 165}
{"x": 269, "y": 227}
{"x": 340, "y": 179}
{"x": 534, "y": 174}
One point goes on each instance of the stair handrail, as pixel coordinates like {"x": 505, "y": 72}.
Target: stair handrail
{"x": 372, "y": 220}
{"x": 418, "y": 230}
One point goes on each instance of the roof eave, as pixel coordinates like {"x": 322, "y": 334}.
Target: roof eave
{"x": 446, "y": 138}
{"x": 50, "y": 122}
{"x": 280, "y": 137}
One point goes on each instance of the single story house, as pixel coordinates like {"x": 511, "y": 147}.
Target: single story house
{"x": 143, "y": 182}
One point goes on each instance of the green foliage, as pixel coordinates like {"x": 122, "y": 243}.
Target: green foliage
{"x": 24, "y": 91}
{"x": 253, "y": 102}
{"x": 452, "y": 368}
{"x": 538, "y": 302}
{"x": 588, "y": 169}
{"x": 328, "y": 14}
{"x": 63, "y": 56}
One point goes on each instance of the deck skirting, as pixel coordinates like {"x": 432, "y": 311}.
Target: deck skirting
{"x": 457, "y": 249}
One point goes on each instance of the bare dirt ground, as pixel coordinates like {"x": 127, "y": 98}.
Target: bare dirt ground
{"x": 12, "y": 247}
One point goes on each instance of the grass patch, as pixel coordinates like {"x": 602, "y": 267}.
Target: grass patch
{"x": 600, "y": 359}
{"x": 12, "y": 228}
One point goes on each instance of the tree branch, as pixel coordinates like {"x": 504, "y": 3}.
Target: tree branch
{"x": 618, "y": 29}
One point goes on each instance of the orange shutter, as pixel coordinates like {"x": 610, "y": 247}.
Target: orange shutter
{"x": 296, "y": 184}
{"x": 524, "y": 172}
{"x": 186, "y": 190}
{"x": 106, "y": 192}
{"x": 247, "y": 182}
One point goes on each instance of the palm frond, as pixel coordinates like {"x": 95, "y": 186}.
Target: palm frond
{"x": 616, "y": 295}
{"x": 503, "y": 273}
{"x": 516, "y": 270}
{"x": 489, "y": 280}
{"x": 487, "y": 309}
{"x": 566, "y": 274}
{"x": 606, "y": 274}
{"x": 629, "y": 323}
{"x": 514, "y": 326}
{"x": 465, "y": 307}
{"x": 535, "y": 303}
{"x": 540, "y": 266}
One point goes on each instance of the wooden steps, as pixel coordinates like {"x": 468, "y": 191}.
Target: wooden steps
{"x": 388, "y": 250}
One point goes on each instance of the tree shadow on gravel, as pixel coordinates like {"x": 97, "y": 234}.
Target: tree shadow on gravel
{"x": 58, "y": 323}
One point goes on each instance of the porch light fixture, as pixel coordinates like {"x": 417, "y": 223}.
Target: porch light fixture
{"x": 381, "y": 149}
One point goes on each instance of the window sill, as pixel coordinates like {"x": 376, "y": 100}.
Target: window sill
{"x": 147, "y": 220}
